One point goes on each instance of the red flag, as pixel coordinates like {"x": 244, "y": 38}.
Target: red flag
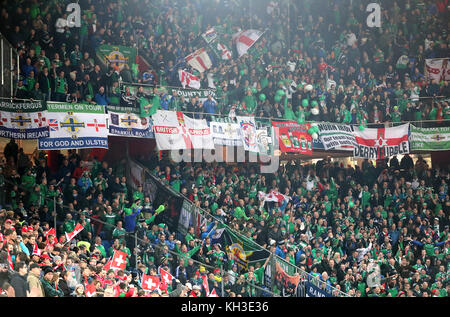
{"x": 213, "y": 293}
{"x": 187, "y": 79}
{"x": 116, "y": 290}
{"x": 1, "y": 237}
{"x": 107, "y": 266}
{"x": 10, "y": 262}
{"x": 90, "y": 290}
{"x": 205, "y": 284}
{"x": 119, "y": 260}
{"x": 50, "y": 232}
{"x": 166, "y": 279}
{"x": 36, "y": 250}
{"x": 150, "y": 283}
{"x": 78, "y": 228}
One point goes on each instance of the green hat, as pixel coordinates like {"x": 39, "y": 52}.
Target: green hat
{"x": 127, "y": 211}
{"x": 162, "y": 225}
{"x": 214, "y": 207}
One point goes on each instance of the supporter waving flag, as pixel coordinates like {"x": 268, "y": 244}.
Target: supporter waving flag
{"x": 78, "y": 228}
{"x": 119, "y": 260}
{"x": 199, "y": 60}
{"x": 246, "y": 39}
{"x": 189, "y": 80}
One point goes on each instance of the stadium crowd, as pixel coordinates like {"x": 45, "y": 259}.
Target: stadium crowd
{"x": 358, "y": 74}
{"x": 338, "y": 221}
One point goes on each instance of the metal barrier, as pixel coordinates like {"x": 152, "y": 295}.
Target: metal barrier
{"x": 9, "y": 69}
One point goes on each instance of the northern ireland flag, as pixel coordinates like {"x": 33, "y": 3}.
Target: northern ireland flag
{"x": 166, "y": 279}
{"x": 199, "y": 60}
{"x": 224, "y": 52}
{"x": 188, "y": 80}
{"x": 375, "y": 144}
{"x": 438, "y": 69}
{"x": 119, "y": 260}
{"x": 273, "y": 196}
{"x": 78, "y": 228}
{"x": 150, "y": 283}
{"x": 210, "y": 35}
{"x": 246, "y": 39}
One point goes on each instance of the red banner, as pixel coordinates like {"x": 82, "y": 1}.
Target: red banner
{"x": 293, "y": 137}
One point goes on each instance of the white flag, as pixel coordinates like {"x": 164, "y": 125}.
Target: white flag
{"x": 245, "y": 40}
{"x": 199, "y": 60}
{"x": 189, "y": 80}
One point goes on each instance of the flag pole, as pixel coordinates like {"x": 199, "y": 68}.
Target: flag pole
{"x": 54, "y": 213}
{"x": 221, "y": 273}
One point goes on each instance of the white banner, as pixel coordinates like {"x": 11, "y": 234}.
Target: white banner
{"x": 438, "y": 69}
{"x": 263, "y": 141}
{"x": 176, "y": 131}
{"x": 136, "y": 174}
{"x": 381, "y": 143}
{"x": 225, "y": 133}
{"x": 247, "y": 131}
{"x": 75, "y": 126}
{"x": 23, "y": 125}
{"x": 334, "y": 136}
{"x": 130, "y": 125}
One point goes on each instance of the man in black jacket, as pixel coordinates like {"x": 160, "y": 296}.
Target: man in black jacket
{"x": 62, "y": 283}
{"x": 19, "y": 280}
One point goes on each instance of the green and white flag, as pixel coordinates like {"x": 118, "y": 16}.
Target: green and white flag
{"x": 430, "y": 139}
{"x": 117, "y": 56}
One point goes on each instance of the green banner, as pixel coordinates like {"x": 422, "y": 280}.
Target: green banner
{"x": 117, "y": 56}
{"x": 430, "y": 139}
{"x": 75, "y": 107}
{"x": 248, "y": 245}
{"x": 121, "y": 109}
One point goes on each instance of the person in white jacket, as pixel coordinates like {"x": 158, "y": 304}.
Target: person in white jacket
{"x": 363, "y": 251}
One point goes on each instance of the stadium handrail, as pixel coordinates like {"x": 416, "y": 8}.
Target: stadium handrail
{"x": 388, "y": 123}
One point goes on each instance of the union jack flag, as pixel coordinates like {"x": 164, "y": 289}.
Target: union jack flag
{"x": 53, "y": 124}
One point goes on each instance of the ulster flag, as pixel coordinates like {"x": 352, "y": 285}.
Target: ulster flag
{"x": 375, "y": 144}
{"x": 245, "y": 40}
{"x": 189, "y": 80}
{"x": 199, "y": 60}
